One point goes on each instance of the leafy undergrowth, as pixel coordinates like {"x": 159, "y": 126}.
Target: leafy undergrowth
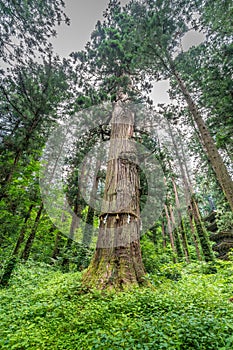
{"x": 190, "y": 308}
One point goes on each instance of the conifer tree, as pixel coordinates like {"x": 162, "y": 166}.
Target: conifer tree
{"x": 110, "y": 58}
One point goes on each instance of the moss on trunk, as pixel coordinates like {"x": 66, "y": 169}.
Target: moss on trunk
{"x": 117, "y": 268}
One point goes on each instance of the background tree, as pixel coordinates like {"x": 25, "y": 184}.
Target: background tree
{"x": 26, "y": 27}
{"x": 160, "y": 33}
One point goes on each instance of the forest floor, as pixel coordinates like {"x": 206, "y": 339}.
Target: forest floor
{"x": 190, "y": 307}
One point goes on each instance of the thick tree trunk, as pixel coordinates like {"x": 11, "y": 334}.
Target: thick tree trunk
{"x": 214, "y": 157}
{"x": 117, "y": 262}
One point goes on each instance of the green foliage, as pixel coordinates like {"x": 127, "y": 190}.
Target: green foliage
{"x": 216, "y": 16}
{"x": 26, "y": 26}
{"x": 154, "y": 256}
{"x": 224, "y": 218}
{"x": 225, "y": 221}
{"x": 207, "y": 70}
{"x": 111, "y": 55}
{"x": 44, "y": 309}
{"x": 172, "y": 272}
{"x": 77, "y": 258}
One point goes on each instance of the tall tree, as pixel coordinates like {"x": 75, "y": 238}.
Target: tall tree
{"x": 26, "y": 27}
{"x": 160, "y": 27}
{"x": 110, "y": 55}
{"x": 33, "y": 97}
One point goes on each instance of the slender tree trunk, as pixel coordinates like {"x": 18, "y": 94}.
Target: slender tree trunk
{"x": 185, "y": 165}
{"x": 70, "y": 240}
{"x": 169, "y": 226}
{"x": 9, "y": 175}
{"x": 56, "y": 248}
{"x": 181, "y": 222}
{"x": 176, "y": 234}
{"x": 22, "y": 232}
{"x": 27, "y": 249}
{"x": 18, "y": 154}
{"x": 182, "y": 169}
{"x": 164, "y": 235}
{"x": 188, "y": 191}
{"x": 117, "y": 262}
{"x": 8, "y": 270}
{"x": 195, "y": 239}
{"x": 201, "y": 231}
{"x": 185, "y": 180}
{"x": 88, "y": 230}
{"x": 214, "y": 157}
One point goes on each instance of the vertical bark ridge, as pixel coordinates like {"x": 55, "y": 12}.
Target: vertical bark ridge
{"x": 117, "y": 262}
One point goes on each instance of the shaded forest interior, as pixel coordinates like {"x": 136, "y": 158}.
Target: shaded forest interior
{"x": 103, "y": 188}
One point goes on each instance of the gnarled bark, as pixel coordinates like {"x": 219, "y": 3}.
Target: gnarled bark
{"x": 117, "y": 262}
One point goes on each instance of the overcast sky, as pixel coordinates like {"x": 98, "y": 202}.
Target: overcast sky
{"x": 83, "y": 15}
